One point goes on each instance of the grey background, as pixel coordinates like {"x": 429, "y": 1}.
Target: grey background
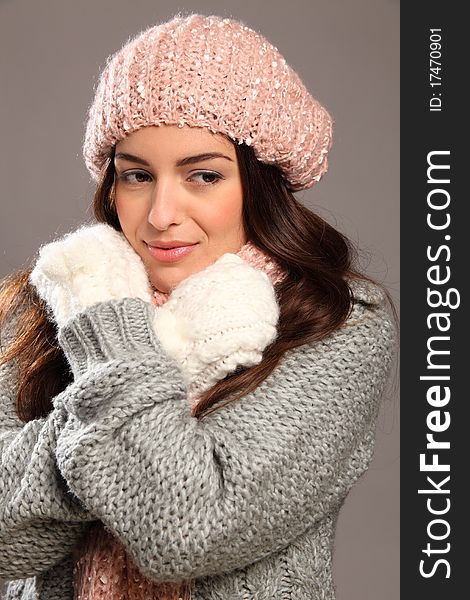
{"x": 347, "y": 53}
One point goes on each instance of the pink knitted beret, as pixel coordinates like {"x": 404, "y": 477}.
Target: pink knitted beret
{"x": 214, "y": 72}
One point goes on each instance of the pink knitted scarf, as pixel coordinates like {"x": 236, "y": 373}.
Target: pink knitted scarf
{"x": 103, "y": 569}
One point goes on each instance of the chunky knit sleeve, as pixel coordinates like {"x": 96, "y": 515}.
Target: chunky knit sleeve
{"x": 39, "y": 519}
{"x": 191, "y": 498}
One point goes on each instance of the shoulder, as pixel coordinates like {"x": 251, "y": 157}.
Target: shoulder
{"x": 8, "y": 330}
{"x": 367, "y": 338}
{"x": 370, "y": 322}
{"x": 8, "y": 377}
{"x": 366, "y": 291}
{"x": 371, "y": 313}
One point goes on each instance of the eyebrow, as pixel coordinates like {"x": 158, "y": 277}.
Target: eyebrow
{"x": 188, "y": 160}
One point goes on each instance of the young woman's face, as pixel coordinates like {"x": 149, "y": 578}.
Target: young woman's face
{"x": 168, "y": 190}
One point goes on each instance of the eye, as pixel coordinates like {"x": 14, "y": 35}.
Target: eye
{"x": 207, "y": 177}
{"x": 134, "y": 177}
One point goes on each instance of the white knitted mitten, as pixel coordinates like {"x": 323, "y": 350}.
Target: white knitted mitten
{"x": 92, "y": 264}
{"x": 218, "y": 319}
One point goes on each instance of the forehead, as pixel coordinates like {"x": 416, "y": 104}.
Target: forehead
{"x": 175, "y": 139}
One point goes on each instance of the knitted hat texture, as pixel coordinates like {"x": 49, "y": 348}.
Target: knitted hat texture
{"x": 213, "y": 72}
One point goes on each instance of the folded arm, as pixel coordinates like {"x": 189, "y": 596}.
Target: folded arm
{"x": 190, "y": 498}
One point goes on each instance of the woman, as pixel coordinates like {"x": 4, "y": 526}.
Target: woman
{"x": 190, "y": 387}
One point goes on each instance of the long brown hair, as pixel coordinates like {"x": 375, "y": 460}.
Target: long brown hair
{"x": 314, "y": 298}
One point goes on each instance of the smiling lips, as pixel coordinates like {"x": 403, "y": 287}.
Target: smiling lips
{"x": 170, "y": 244}
{"x": 170, "y": 251}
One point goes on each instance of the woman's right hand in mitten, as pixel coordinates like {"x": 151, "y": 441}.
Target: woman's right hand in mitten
{"x": 218, "y": 319}
{"x": 93, "y": 264}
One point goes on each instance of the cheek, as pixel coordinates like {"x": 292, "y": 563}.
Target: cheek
{"x": 226, "y": 215}
{"x": 129, "y": 217}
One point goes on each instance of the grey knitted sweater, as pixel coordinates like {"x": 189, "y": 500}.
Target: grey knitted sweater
{"x": 245, "y": 500}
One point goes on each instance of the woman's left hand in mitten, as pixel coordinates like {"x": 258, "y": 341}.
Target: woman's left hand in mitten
{"x": 218, "y": 319}
{"x": 93, "y": 264}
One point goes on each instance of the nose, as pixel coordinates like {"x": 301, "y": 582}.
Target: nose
{"x": 165, "y": 208}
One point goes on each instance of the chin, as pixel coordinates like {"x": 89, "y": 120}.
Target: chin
{"x": 176, "y": 275}
{"x": 168, "y": 284}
